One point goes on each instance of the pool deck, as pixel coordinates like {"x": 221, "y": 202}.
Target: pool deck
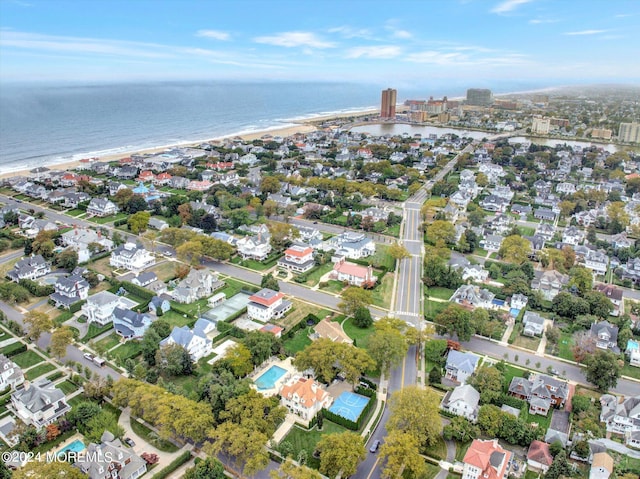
{"x": 274, "y": 361}
{"x": 76, "y": 436}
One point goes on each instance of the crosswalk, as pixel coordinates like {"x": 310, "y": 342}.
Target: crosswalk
{"x": 406, "y": 313}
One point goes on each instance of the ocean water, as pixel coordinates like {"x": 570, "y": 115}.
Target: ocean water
{"x": 47, "y": 124}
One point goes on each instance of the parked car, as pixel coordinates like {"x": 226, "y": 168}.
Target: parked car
{"x": 88, "y": 356}
{"x": 168, "y": 254}
{"x": 129, "y": 442}
{"x": 374, "y": 447}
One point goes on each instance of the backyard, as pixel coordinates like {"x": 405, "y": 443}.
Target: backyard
{"x": 300, "y": 311}
{"x": 439, "y": 293}
{"x": 298, "y": 342}
{"x": 302, "y": 440}
{"x": 359, "y": 335}
{"x": 313, "y": 278}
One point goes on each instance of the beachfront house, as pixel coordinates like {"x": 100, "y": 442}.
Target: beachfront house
{"x": 267, "y": 304}
{"x": 39, "y": 403}
{"x": 101, "y": 207}
{"x": 132, "y": 257}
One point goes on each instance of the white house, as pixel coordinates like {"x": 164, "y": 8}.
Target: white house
{"x": 602, "y": 466}
{"x": 460, "y": 366}
{"x": 195, "y": 340}
{"x": 144, "y": 279}
{"x": 605, "y": 335}
{"x": 254, "y": 247}
{"x": 10, "y": 374}
{"x": 79, "y": 240}
{"x": 351, "y": 245}
{"x": 533, "y": 324}
{"x": 132, "y": 257}
{"x": 304, "y": 397}
{"x": 519, "y": 301}
{"x": 633, "y": 352}
{"x": 110, "y": 460}
{"x": 267, "y": 304}
{"x": 101, "y": 207}
{"x": 198, "y": 284}
{"x": 99, "y": 307}
{"x": 297, "y": 258}
{"x": 39, "y": 403}
{"x": 621, "y": 415}
{"x": 462, "y": 401}
{"x": 473, "y": 296}
{"x": 69, "y": 290}
{"x": 31, "y": 267}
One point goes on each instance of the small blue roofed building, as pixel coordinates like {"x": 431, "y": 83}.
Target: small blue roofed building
{"x": 460, "y": 366}
{"x": 159, "y": 304}
{"x": 196, "y": 341}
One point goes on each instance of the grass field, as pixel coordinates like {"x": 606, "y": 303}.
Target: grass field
{"x": 176, "y": 319}
{"x": 461, "y": 449}
{"x": 95, "y": 330}
{"x": 511, "y": 372}
{"x": 301, "y": 440}
{"x": 359, "y": 335}
{"x": 565, "y": 344}
{"x": 130, "y": 349}
{"x": 108, "y": 219}
{"x": 38, "y": 371}
{"x": 299, "y": 312}
{"x": 165, "y": 270}
{"x": 298, "y": 342}
{"x": 382, "y": 258}
{"x": 314, "y": 277}
{"x": 102, "y": 266}
{"x": 543, "y": 422}
{"x": 67, "y": 387}
{"x": 253, "y": 264}
{"x": 437, "y": 450}
{"x": 109, "y": 342}
{"x": 440, "y": 293}
{"x": 27, "y": 359}
{"x": 382, "y": 293}
{"x": 631, "y": 371}
{"x": 333, "y": 287}
{"x": 432, "y": 308}
{"x": 527, "y": 342}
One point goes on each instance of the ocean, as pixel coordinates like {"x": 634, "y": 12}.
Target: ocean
{"x": 48, "y": 124}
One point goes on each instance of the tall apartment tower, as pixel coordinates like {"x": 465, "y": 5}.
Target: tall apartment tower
{"x": 629, "y": 132}
{"x": 479, "y": 97}
{"x": 388, "y": 104}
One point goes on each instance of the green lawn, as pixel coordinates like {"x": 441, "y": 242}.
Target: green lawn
{"x": 527, "y": 342}
{"x": 631, "y": 371}
{"x": 301, "y": 439}
{"x": 393, "y": 231}
{"x": 359, "y": 335}
{"x": 95, "y": 330}
{"x": 108, "y": 219}
{"x": 382, "y": 258}
{"x": 542, "y": 421}
{"x": 253, "y": 264}
{"x": 130, "y": 349}
{"x": 437, "y": 450}
{"x": 440, "y": 293}
{"x": 67, "y": 387}
{"x": 461, "y": 449}
{"x": 333, "y": 287}
{"x": 11, "y": 347}
{"x": 233, "y": 287}
{"x": 38, "y": 371}
{"x": 564, "y": 346}
{"x": 151, "y": 437}
{"x": 27, "y": 359}
{"x": 382, "y": 293}
{"x": 314, "y": 277}
{"x": 480, "y": 252}
{"x": 75, "y": 212}
{"x": 298, "y": 342}
{"x": 176, "y": 319}
{"x": 511, "y": 372}
{"x": 109, "y": 342}
{"x": 432, "y": 308}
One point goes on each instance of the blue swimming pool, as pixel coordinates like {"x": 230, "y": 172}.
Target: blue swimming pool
{"x": 75, "y": 446}
{"x": 514, "y": 312}
{"x": 349, "y": 405}
{"x": 498, "y": 302}
{"x": 267, "y": 380}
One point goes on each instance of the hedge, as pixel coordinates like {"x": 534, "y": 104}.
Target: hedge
{"x": 35, "y": 288}
{"x": 371, "y": 384}
{"x": 354, "y": 426}
{"x": 137, "y": 290}
{"x": 173, "y": 466}
{"x": 56, "y": 375}
{"x": 301, "y": 325}
{"x": 14, "y": 349}
{"x": 370, "y": 393}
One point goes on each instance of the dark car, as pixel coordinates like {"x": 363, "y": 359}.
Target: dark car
{"x": 129, "y": 442}
{"x": 374, "y": 447}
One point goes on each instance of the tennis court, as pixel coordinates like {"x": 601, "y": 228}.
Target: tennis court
{"x": 349, "y": 405}
{"x": 227, "y": 309}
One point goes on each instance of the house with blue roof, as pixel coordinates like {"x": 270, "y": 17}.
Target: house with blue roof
{"x": 129, "y": 324}
{"x": 460, "y": 366}
{"x": 196, "y": 341}
{"x": 159, "y": 304}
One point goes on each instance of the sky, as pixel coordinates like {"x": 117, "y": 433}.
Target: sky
{"x": 393, "y": 42}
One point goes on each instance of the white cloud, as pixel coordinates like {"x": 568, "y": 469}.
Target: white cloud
{"x": 346, "y": 31}
{"x": 215, "y": 34}
{"x": 295, "y": 39}
{"x": 508, "y": 6}
{"x": 586, "y": 32}
{"x": 380, "y": 52}
{"x": 402, "y": 34}
{"x": 538, "y": 21}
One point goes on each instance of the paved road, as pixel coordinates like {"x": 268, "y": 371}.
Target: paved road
{"x": 335, "y": 229}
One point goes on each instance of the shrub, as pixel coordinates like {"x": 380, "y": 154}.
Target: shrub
{"x": 174, "y": 465}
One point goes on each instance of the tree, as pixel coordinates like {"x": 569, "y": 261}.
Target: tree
{"x": 239, "y": 358}
{"x": 269, "y": 281}
{"x": 262, "y": 346}
{"x": 326, "y": 358}
{"x": 353, "y": 298}
{"x": 455, "y": 320}
{"x": 603, "y": 369}
{"x": 461, "y": 430}
{"x": 269, "y": 208}
{"x": 599, "y": 304}
{"x": 139, "y": 221}
{"x": 216, "y": 249}
{"x": 435, "y": 375}
{"x": 441, "y": 233}
{"x": 244, "y": 446}
{"x": 174, "y": 360}
{"x": 97, "y": 387}
{"x": 135, "y": 204}
{"x": 490, "y": 419}
{"x": 559, "y": 467}
{"x": 122, "y": 197}
{"x": 67, "y": 259}
{"x": 149, "y": 345}
{"x": 398, "y": 251}
{"x": 362, "y": 317}
{"x": 60, "y": 339}
{"x": 583, "y": 346}
{"x": 210, "y": 468}
{"x": 415, "y": 411}
{"x": 340, "y": 453}
{"x": 402, "y": 453}
{"x": 184, "y": 211}
{"x": 581, "y": 278}
{"x": 190, "y": 252}
{"x": 288, "y": 470}
{"x": 37, "y": 323}
{"x": 269, "y": 184}
{"x": 281, "y": 234}
{"x": 488, "y": 381}
{"x": 515, "y": 249}
{"x": 387, "y": 347}
{"x": 48, "y": 470}
{"x": 5, "y": 472}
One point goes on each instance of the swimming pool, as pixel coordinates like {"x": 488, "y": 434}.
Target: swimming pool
{"x": 514, "y": 312}
{"x": 498, "y": 302}
{"x": 267, "y": 380}
{"x": 349, "y": 405}
{"x": 75, "y": 446}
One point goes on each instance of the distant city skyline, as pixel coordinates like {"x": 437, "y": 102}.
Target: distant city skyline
{"x": 476, "y": 43}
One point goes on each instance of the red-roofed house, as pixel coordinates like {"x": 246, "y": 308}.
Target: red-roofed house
{"x": 304, "y": 397}
{"x": 162, "y": 179}
{"x": 354, "y": 274}
{"x": 221, "y": 165}
{"x": 146, "y": 175}
{"x": 297, "y": 258}
{"x": 273, "y": 329}
{"x": 486, "y": 460}
{"x": 267, "y": 304}
{"x": 69, "y": 179}
{"x": 199, "y": 185}
{"x": 539, "y": 458}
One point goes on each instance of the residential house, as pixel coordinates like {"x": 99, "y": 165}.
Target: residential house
{"x": 377, "y": 214}
{"x": 198, "y": 284}
{"x": 451, "y": 212}
{"x": 473, "y": 297}
{"x": 130, "y": 324}
{"x": 304, "y": 397}
{"x": 518, "y": 301}
{"x": 601, "y": 467}
{"x": 633, "y": 352}
{"x": 115, "y": 186}
{"x": 179, "y": 182}
{"x": 614, "y": 294}
{"x": 195, "y": 185}
{"x": 544, "y": 214}
{"x": 101, "y": 207}
{"x": 572, "y": 236}
{"x": 280, "y": 200}
{"x": 267, "y": 304}
{"x": 39, "y": 403}
{"x": 144, "y": 279}
{"x": 196, "y": 341}
{"x": 549, "y": 283}
{"x": 297, "y": 258}
{"x": 486, "y": 460}
{"x": 99, "y": 307}
{"x": 331, "y": 330}
{"x": 522, "y": 210}
{"x": 460, "y": 366}
{"x": 351, "y": 245}
{"x": 546, "y": 231}
{"x": 31, "y": 226}
{"x": 207, "y": 208}
{"x": 605, "y": 335}
{"x": 492, "y": 242}
{"x": 539, "y": 457}
{"x": 540, "y": 391}
{"x": 162, "y": 179}
{"x": 69, "y": 290}
{"x": 494, "y": 203}
{"x": 10, "y": 374}
{"x": 353, "y": 274}
{"x": 597, "y": 261}
{"x": 158, "y": 224}
{"x": 559, "y": 428}
{"x": 132, "y": 257}
{"x": 110, "y": 460}
{"x": 533, "y": 324}
{"x": 31, "y": 267}
{"x": 272, "y": 329}
{"x": 621, "y": 241}
{"x": 255, "y": 247}
{"x": 565, "y": 188}
{"x": 462, "y": 401}
{"x": 621, "y": 415}
{"x": 307, "y": 234}
{"x": 79, "y": 239}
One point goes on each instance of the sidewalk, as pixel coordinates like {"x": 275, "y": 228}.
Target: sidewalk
{"x": 382, "y": 398}
{"x": 284, "y": 428}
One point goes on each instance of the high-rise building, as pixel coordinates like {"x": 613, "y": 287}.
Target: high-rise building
{"x": 479, "y": 97}
{"x": 629, "y": 132}
{"x": 540, "y": 125}
{"x": 388, "y": 105}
